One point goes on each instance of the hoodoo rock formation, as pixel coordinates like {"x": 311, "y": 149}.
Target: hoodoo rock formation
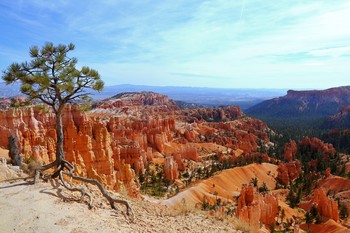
{"x": 171, "y": 171}
{"x": 290, "y": 150}
{"x": 256, "y": 209}
{"x": 308, "y": 146}
{"x": 117, "y": 139}
{"x": 288, "y": 171}
{"x": 212, "y": 114}
{"x": 326, "y": 207}
{"x": 88, "y": 144}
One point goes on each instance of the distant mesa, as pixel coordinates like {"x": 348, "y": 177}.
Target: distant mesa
{"x": 308, "y": 105}
{"x": 139, "y": 99}
{"x": 151, "y": 98}
{"x": 146, "y": 103}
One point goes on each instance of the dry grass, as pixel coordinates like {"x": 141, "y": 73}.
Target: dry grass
{"x": 30, "y": 167}
{"x": 122, "y": 190}
{"x": 183, "y": 208}
{"x": 242, "y": 226}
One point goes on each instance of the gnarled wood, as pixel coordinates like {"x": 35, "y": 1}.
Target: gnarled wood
{"x": 67, "y": 165}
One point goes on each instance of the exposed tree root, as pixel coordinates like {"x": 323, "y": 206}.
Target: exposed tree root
{"x": 43, "y": 168}
{"x": 60, "y": 171}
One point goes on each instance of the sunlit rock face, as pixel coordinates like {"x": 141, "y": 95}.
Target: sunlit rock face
{"x": 289, "y": 170}
{"x": 326, "y": 207}
{"x": 255, "y": 208}
{"x": 118, "y": 139}
{"x": 104, "y": 146}
{"x": 87, "y": 143}
{"x": 171, "y": 171}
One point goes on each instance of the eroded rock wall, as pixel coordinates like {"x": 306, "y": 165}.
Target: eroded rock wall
{"x": 88, "y": 144}
{"x": 255, "y": 208}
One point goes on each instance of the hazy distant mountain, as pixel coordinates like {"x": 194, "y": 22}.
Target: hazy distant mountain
{"x": 197, "y": 95}
{"x": 9, "y": 90}
{"x": 303, "y": 105}
{"x": 200, "y": 95}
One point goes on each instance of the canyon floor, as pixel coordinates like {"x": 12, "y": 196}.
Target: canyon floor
{"x": 48, "y": 207}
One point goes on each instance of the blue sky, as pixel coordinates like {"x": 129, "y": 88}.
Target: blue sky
{"x": 217, "y": 43}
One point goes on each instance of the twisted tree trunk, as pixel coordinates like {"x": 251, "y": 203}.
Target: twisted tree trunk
{"x": 61, "y": 164}
{"x": 16, "y": 159}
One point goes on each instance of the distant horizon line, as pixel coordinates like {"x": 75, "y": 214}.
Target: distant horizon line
{"x": 222, "y": 88}
{"x": 244, "y": 88}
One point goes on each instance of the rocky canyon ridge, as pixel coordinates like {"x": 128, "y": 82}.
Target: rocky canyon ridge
{"x": 126, "y": 138}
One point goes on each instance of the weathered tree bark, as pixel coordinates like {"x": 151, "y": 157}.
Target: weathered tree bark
{"x": 16, "y": 159}
{"x": 60, "y": 137}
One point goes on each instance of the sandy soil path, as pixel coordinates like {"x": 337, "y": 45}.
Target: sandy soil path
{"x": 47, "y": 207}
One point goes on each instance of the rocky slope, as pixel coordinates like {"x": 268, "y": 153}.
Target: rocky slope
{"x": 341, "y": 119}
{"x": 145, "y": 138}
{"x": 233, "y": 188}
{"x": 330, "y": 226}
{"x": 122, "y": 135}
{"x": 223, "y": 186}
{"x": 315, "y": 104}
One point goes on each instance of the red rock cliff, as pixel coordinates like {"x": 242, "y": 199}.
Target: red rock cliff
{"x": 88, "y": 144}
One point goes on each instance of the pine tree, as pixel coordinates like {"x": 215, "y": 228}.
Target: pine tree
{"x": 51, "y": 77}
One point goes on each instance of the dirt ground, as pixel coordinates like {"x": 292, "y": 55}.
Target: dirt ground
{"x": 48, "y": 207}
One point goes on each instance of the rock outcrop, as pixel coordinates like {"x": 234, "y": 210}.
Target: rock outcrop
{"x": 218, "y": 114}
{"x": 256, "y": 209}
{"x": 138, "y": 104}
{"x": 288, "y": 171}
{"x": 138, "y": 99}
{"x": 88, "y": 144}
{"x": 289, "y": 151}
{"x": 171, "y": 171}
{"x": 245, "y": 134}
{"x": 326, "y": 207}
{"x": 308, "y": 146}
{"x": 16, "y": 101}
{"x": 117, "y": 139}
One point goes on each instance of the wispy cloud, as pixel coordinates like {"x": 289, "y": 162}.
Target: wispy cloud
{"x": 331, "y": 52}
{"x": 225, "y": 43}
{"x": 200, "y": 76}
